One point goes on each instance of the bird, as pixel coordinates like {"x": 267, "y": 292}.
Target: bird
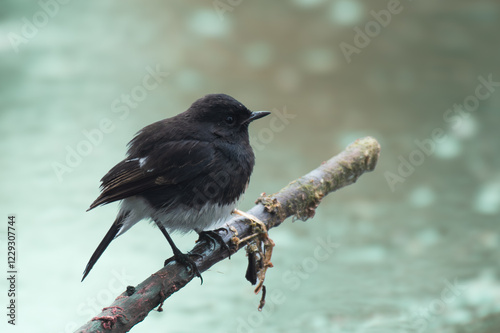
{"x": 184, "y": 173}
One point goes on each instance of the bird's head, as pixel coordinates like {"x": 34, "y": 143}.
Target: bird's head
{"x": 225, "y": 116}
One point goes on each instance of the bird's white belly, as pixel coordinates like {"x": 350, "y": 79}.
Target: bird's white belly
{"x": 181, "y": 218}
{"x": 185, "y": 219}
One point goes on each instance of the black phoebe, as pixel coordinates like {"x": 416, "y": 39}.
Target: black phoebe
{"x": 184, "y": 173}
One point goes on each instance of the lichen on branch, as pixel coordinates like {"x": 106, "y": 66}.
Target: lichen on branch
{"x": 300, "y": 198}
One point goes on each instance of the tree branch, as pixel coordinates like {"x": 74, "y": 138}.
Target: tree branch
{"x": 299, "y": 198}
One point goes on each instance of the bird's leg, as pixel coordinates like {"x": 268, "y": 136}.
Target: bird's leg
{"x": 213, "y": 237}
{"x": 178, "y": 255}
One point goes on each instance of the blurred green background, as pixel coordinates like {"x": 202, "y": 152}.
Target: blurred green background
{"x": 417, "y": 239}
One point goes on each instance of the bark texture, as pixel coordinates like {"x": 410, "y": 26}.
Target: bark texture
{"x": 299, "y": 199}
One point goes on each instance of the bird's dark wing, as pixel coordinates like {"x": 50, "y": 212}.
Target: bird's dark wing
{"x": 169, "y": 164}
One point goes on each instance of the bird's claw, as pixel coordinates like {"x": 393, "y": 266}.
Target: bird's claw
{"x": 186, "y": 260}
{"x": 213, "y": 237}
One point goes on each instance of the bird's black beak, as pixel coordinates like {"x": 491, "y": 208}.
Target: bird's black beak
{"x": 256, "y": 115}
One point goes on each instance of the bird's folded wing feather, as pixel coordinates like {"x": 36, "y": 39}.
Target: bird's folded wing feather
{"x": 182, "y": 160}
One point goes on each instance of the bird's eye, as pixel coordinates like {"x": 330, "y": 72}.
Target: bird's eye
{"x": 229, "y": 120}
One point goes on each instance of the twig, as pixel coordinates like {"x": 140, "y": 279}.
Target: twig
{"x": 299, "y": 198}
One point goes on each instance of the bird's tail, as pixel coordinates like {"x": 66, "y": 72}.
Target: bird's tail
{"x": 110, "y": 235}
